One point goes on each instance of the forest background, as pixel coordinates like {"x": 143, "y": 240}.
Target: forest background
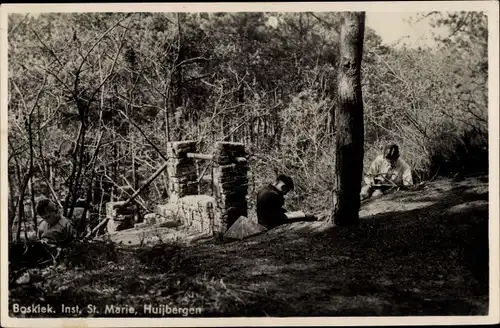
{"x": 95, "y": 97}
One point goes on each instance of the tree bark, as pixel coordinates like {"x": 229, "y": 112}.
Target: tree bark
{"x": 349, "y": 136}
{"x": 21, "y": 218}
{"x": 12, "y": 206}
{"x": 31, "y": 188}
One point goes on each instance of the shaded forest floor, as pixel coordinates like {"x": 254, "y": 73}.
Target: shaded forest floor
{"x": 423, "y": 252}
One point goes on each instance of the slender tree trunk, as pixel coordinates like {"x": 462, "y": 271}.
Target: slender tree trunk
{"x": 26, "y": 180}
{"x": 165, "y": 105}
{"x": 51, "y": 174}
{"x": 12, "y": 206}
{"x": 102, "y": 198}
{"x": 178, "y": 101}
{"x": 135, "y": 183}
{"x": 349, "y": 128}
{"x": 16, "y": 203}
{"x": 33, "y": 205}
{"x": 21, "y": 218}
{"x": 251, "y": 128}
{"x": 90, "y": 189}
{"x": 225, "y": 128}
{"x": 79, "y": 180}
{"x": 71, "y": 179}
{"x": 114, "y": 170}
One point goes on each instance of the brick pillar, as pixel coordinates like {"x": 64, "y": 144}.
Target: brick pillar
{"x": 231, "y": 183}
{"x": 120, "y": 217}
{"x": 182, "y": 173}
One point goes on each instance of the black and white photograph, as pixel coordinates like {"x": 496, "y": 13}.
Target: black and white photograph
{"x": 173, "y": 164}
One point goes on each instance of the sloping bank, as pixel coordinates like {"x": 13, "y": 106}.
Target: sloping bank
{"x": 413, "y": 253}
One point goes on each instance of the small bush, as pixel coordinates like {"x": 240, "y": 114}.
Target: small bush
{"x": 306, "y": 153}
{"x": 29, "y": 254}
{"x": 464, "y": 152}
{"x": 90, "y": 254}
{"x": 166, "y": 257}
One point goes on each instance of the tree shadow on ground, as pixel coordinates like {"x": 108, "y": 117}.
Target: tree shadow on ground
{"x": 425, "y": 261}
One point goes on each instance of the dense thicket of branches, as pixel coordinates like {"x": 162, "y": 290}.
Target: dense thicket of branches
{"x": 94, "y": 97}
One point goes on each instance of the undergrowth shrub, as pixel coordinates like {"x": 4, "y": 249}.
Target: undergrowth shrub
{"x": 447, "y": 151}
{"x": 165, "y": 257}
{"x": 27, "y": 254}
{"x": 305, "y": 153}
{"x": 438, "y": 146}
{"x": 91, "y": 255}
{"x": 460, "y": 152}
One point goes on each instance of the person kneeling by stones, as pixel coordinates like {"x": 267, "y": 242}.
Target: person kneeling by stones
{"x": 386, "y": 172}
{"x": 55, "y": 229}
{"x": 270, "y": 202}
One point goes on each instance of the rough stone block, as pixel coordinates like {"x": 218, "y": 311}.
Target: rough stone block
{"x": 235, "y": 147}
{"x": 242, "y": 166}
{"x": 183, "y": 179}
{"x": 221, "y": 169}
{"x": 231, "y": 170}
{"x": 222, "y": 159}
{"x": 182, "y": 171}
{"x": 168, "y": 222}
{"x": 234, "y": 203}
{"x": 236, "y": 178}
{"x": 165, "y": 210}
{"x": 114, "y": 225}
{"x": 179, "y": 148}
{"x": 235, "y": 184}
{"x": 233, "y": 195}
{"x": 181, "y": 161}
{"x": 174, "y": 162}
{"x": 124, "y": 217}
{"x": 124, "y": 210}
{"x": 232, "y": 214}
{"x": 110, "y": 206}
{"x": 243, "y": 189}
{"x": 141, "y": 225}
{"x": 115, "y": 209}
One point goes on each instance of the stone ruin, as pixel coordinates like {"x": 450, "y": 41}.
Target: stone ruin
{"x": 186, "y": 207}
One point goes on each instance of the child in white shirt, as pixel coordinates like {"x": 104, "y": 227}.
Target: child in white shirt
{"x": 386, "y": 170}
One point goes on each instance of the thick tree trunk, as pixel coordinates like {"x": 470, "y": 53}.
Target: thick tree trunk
{"x": 349, "y": 128}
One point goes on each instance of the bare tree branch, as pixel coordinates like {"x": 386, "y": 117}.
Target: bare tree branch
{"x": 332, "y": 27}
{"x": 12, "y": 30}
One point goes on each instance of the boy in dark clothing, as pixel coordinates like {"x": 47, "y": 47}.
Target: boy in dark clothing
{"x": 270, "y": 202}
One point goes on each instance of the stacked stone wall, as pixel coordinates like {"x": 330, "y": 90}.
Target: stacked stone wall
{"x": 230, "y": 177}
{"x": 120, "y": 217}
{"x": 185, "y": 206}
{"x": 198, "y": 212}
{"x": 181, "y": 170}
